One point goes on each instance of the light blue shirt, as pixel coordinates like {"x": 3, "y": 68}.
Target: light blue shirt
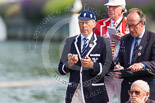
{"x": 133, "y": 43}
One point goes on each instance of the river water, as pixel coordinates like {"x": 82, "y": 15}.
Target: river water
{"x": 23, "y": 61}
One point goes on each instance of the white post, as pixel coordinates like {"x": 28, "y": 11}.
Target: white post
{"x": 73, "y": 25}
{"x": 3, "y": 30}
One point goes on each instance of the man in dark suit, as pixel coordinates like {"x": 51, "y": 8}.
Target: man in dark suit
{"x": 87, "y": 57}
{"x": 137, "y": 52}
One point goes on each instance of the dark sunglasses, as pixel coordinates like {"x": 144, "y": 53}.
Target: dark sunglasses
{"x": 130, "y": 92}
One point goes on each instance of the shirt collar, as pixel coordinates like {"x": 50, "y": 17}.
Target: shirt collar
{"x": 117, "y": 21}
{"x": 88, "y": 37}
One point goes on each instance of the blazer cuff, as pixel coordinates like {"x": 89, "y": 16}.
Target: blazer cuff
{"x": 65, "y": 68}
{"x": 144, "y": 65}
{"x": 97, "y": 69}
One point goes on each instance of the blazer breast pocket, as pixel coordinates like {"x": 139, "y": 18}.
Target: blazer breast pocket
{"x": 97, "y": 84}
{"x": 95, "y": 57}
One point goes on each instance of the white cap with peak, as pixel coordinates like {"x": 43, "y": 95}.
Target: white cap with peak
{"x": 116, "y": 3}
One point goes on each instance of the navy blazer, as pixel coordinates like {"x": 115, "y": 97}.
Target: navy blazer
{"x": 91, "y": 80}
{"x": 145, "y": 54}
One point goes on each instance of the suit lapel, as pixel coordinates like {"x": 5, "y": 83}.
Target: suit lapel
{"x": 91, "y": 44}
{"x": 144, "y": 41}
{"x": 77, "y": 45}
{"x": 90, "y": 47}
{"x": 103, "y": 28}
{"x": 143, "y": 44}
{"x": 128, "y": 48}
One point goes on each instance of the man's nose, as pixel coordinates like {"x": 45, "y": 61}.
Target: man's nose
{"x": 84, "y": 24}
{"x": 133, "y": 94}
{"x": 131, "y": 29}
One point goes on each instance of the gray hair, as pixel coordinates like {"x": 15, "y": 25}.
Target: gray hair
{"x": 144, "y": 85}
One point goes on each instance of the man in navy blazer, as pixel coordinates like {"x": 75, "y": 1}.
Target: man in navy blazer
{"x": 137, "y": 52}
{"x": 87, "y": 57}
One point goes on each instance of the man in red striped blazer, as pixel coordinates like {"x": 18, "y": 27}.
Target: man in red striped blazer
{"x": 116, "y": 9}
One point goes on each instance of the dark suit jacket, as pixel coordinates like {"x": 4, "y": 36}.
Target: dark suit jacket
{"x": 145, "y": 54}
{"x": 148, "y": 101}
{"x": 92, "y": 80}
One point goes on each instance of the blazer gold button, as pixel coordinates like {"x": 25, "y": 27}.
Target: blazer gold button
{"x": 129, "y": 82}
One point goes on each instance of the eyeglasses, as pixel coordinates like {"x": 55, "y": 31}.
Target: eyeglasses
{"x": 85, "y": 22}
{"x": 133, "y": 26}
{"x": 113, "y": 7}
{"x": 130, "y": 92}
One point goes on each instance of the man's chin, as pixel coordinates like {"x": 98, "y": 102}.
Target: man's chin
{"x": 134, "y": 100}
{"x": 84, "y": 33}
{"x": 112, "y": 16}
{"x": 133, "y": 35}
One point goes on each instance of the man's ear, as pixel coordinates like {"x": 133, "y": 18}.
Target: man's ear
{"x": 145, "y": 98}
{"x": 94, "y": 24}
{"x": 123, "y": 10}
{"x": 143, "y": 23}
{"x": 147, "y": 94}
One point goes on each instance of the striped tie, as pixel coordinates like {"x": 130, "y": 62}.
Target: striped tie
{"x": 114, "y": 24}
{"x": 84, "y": 49}
{"x": 135, "y": 48}
{"x": 113, "y": 47}
{"x": 113, "y": 43}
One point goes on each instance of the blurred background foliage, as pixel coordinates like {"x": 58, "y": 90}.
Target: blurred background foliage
{"x": 23, "y": 17}
{"x": 52, "y": 6}
{"x": 36, "y": 10}
{"x": 33, "y": 9}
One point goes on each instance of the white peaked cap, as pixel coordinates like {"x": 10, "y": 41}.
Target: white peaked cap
{"x": 116, "y": 3}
